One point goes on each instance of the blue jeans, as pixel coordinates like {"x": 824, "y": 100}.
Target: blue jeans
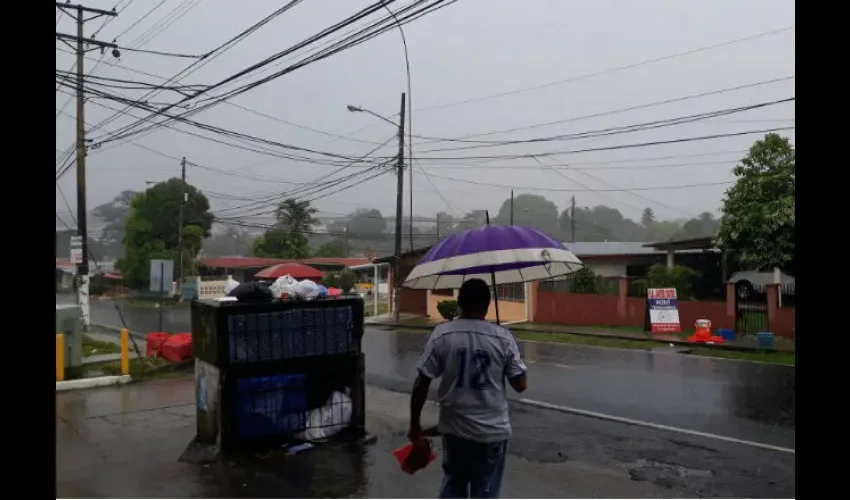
{"x": 472, "y": 469}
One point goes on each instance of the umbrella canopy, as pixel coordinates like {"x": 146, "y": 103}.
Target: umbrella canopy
{"x": 294, "y": 269}
{"x": 510, "y": 254}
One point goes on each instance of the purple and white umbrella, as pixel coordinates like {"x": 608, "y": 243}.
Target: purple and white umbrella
{"x": 496, "y": 254}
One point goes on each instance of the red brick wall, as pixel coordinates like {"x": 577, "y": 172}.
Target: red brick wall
{"x": 783, "y": 324}
{"x": 413, "y": 301}
{"x": 601, "y": 310}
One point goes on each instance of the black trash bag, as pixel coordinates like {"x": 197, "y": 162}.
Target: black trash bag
{"x": 252, "y": 291}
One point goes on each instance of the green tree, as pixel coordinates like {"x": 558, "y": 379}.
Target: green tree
{"x": 193, "y": 239}
{"x": 333, "y": 248}
{"x": 530, "y": 210}
{"x": 679, "y": 277}
{"x": 151, "y": 230}
{"x": 476, "y": 218}
{"x": 647, "y": 217}
{"x": 758, "y": 211}
{"x": 113, "y": 215}
{"x": 296, "y": 216}
{"x": 288, "y": 238}
{"x": 232, "y": 242}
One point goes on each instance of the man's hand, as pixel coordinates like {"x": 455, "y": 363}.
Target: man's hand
{"x": 415, "y": 433}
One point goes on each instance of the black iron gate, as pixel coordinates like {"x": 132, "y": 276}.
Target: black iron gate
{"x": 751, "y": 313}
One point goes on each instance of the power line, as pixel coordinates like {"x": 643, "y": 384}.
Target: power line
{"x": 613, "y": 70}
{"x": 355, "y": 40}
{"x": 621, "y": 146}
{"x": 611, "y": 112}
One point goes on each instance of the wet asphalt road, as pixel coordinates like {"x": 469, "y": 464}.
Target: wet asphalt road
{"x": 742, "y": 400}
{"x": 749, "y": 401}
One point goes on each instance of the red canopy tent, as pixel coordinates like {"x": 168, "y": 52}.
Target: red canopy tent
{"x": 294, "y": 269}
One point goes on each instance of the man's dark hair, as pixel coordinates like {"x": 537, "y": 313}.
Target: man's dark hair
{"x": 474, "y": 297}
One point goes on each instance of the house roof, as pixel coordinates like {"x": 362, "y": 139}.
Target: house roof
{"x": 247, "y": 262}
{"x": 342, "y": 261}
{"x": 581, "y": 249}
{"x": 294, "y": 269}
{"x": 688, "y": 244}
{"x": 240, "y": 262}
{"x": 412, "y": 253}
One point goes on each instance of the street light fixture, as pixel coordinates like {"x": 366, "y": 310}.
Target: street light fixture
{"x": 358, "y": 109}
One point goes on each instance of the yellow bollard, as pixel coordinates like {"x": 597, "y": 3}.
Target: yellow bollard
{"x": 125, "y": 351}
{"x": 60, "y": 357}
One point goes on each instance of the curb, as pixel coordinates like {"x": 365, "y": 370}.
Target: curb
{"x": 118, "y": 329}
{"x": 89, "y": 383}
{"x": 679, "y": 343}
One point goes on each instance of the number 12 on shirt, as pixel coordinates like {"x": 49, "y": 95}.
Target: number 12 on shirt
{"x": 480, "y": 361}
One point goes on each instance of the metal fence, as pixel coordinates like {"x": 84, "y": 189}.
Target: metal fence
{"x": 786, "y": 295}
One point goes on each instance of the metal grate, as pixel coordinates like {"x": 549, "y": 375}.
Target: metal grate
{"x": 293, "y": 333}
{"x": 270, "y": 406}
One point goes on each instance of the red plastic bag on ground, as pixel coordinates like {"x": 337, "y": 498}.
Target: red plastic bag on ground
{"x": 178, "y": 347}
{"x": 154, "y": 343}
{"x": 415, "y": 456}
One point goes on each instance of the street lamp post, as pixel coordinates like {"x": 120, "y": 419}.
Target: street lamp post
{"x": 399, "y": 209}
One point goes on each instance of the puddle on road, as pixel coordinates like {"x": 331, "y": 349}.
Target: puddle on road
{"x": 667, "y": 475}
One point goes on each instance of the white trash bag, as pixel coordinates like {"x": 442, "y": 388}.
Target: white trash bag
{"x": 283, "y": 285}
{"x": 230, "y": 285}
{"x": 329, "y": 420}
{"x": 306, "y": 290}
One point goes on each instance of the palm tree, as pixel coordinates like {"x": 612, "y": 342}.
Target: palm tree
{"x": 296, "y": 216}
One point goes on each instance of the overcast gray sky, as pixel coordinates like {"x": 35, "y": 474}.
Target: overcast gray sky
{"x": 515, "y": 51}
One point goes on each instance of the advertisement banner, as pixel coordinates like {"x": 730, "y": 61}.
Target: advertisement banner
{"x": 663, "y": 311}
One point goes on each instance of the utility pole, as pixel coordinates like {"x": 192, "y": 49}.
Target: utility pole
{"x": 399, "y": 210}
{"x": 80, "y": 48}
{"x": 180, "y": 223}
{"x": 347, "y": 244}
{"x": 512, "y": 207}
{"x": 573, "y": 220}
{"x": 438, "y": 227}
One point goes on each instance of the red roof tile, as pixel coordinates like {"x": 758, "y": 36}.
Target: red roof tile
{"x": 239, "y": 262}
{"x": 344, "y": 261}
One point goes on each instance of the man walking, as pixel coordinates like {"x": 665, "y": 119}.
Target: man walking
{"x": 474, "y": 358}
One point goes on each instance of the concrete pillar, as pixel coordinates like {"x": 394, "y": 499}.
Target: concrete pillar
{"x": 621, "y": 297}
{"x": 531, "y": 300}
{"x": 772, "y": 303}
{"x": 670, "y": 259}
{"x": 730, "y": 301}
{"x": 375, "y": 283}
{"x": 390, "y": 289}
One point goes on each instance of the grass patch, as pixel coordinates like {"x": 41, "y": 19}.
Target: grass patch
{"x": 383, "y": 308}
{"x": 780, "y": 358}
{"x": 94, "y": 347}
{"x": 569, "y": 338}
{"x": 140, "y": 369}
{"x": 151, "y": 302}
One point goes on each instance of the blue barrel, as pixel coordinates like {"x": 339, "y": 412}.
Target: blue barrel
{"x": 765, "y": 340}
{"x": 727, "y": 334}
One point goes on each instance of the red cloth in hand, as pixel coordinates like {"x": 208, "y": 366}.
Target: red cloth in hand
{"x": 415, "y": 456}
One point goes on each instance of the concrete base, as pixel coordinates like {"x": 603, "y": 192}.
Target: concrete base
{"x": 88, "y": 383}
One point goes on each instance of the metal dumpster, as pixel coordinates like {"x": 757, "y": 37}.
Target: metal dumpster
{"x": 272, "y": 372}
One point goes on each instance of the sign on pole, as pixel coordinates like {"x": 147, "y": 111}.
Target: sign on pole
{"x": 663, "y": 311}
{"x": 162, "y": 275}
{"x": 76, "y": 249}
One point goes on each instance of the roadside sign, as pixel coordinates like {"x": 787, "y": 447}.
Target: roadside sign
{"x": 663, "y": 310}
{"x": 76, "y": 249}
{"x": 162, "y": 275}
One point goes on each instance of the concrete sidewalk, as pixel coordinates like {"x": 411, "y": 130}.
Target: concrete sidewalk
{"x": 124, "y": 442}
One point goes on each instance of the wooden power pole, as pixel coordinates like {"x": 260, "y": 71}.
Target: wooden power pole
{"x": 80, "y": 47}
